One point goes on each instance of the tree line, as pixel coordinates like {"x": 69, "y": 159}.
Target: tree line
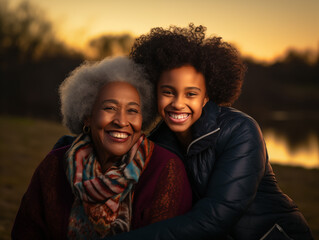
{"x": 33, "y": 63}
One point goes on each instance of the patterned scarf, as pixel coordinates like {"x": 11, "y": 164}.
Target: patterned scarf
{"x": 102, "y": 201}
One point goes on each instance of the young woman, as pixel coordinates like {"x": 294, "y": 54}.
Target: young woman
{"x": 235, "y": 192}
{"x": 112, "y": 178}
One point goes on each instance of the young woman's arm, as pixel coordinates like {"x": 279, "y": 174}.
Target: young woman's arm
{"x": 232, "y": 187}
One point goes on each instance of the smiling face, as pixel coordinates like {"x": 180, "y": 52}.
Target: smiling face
{"x": 181, "y": 94}
{"x": 116, "y": 120}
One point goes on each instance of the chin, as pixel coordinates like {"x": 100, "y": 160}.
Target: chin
{"x": 117, "y": 152}
{"x": 177, "y": 129}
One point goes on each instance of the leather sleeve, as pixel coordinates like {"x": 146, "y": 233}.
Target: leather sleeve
{"x": 238, "y": 170}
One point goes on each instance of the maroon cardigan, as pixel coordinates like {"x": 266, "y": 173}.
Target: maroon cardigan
{"x": 163, "y": 191}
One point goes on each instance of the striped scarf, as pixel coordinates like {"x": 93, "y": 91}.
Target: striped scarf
{"x": 102, "y": 201}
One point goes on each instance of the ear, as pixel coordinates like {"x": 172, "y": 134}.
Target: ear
{"x": 206, "y": 99}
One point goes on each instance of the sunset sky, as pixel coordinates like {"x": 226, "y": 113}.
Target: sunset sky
{"x": 262, "y": 29}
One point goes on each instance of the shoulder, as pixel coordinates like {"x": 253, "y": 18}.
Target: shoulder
{"x": 64, "y": 141}
{"x": 53, "y": 161}
{"x": 57, "y": 153}
{"x": 238, "y": 128}
{"x": 226, "y": 119}
{"x": 233, "y": 121}
{"x": 49, "y": 179}
{"x": 234, "y": 117}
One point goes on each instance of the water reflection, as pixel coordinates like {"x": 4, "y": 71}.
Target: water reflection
{"x": 305, "y": 155}
{"x": 292, "y": 137}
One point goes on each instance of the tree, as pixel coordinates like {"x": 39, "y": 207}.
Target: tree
{"x": 111, "y": 45}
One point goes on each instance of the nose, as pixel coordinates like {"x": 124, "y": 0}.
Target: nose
{"x": 178, "y": 102}
{"x": 120, "y": 119}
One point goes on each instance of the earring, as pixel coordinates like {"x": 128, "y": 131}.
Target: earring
{"x": 86, "y": 129}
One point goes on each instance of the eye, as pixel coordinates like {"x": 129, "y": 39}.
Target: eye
{"x": 191, "y": 94}
{"x": 109, "y": 108}
{"x": 133, "y": 110}
{"x": 167, "y": 92}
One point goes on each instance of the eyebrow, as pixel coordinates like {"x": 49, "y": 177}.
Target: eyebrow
{"x": 187, "y": 88}
{"x": 116, "y": 102}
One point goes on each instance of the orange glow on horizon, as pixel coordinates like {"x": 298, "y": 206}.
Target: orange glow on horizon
{"x": 261, "y": 29}
{"x": 305, "y": 156}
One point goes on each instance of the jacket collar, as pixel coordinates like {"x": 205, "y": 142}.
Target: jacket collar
{"x": 208, "y": 120}
{"x": 204, "y": 129}
{"x": 203, "y": 132}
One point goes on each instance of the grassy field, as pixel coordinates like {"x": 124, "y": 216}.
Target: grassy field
{"x": 24, "y": 142}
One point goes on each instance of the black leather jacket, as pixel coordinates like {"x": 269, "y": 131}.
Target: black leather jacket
{"x": 235, "y": 190}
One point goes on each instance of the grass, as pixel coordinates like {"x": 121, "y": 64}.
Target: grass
{"x": 24, "y": 142}
{"x": 302, "y": 186}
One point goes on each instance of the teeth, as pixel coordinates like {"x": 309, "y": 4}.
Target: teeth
{"x": 118, "y": 134}
{"x": 178, "y": 116}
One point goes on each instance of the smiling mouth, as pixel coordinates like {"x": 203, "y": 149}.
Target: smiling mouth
{"x": 178, "y": 117}
{"x": 118, "y": 135}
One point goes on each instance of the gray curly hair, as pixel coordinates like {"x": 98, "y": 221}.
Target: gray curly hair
{"x": 78, "y": 92}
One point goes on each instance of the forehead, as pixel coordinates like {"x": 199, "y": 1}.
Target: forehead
{"x": 119, "y": 91}
{"x": 183, "y": 77}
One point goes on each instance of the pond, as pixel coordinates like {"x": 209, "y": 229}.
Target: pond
{"x": 305, "y": 155}
{"x": 292, "y": 137}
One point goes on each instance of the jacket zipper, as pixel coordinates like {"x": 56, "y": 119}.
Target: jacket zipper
{"x": 201, "y": 137}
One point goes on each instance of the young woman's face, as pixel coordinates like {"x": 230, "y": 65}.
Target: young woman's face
{"x": 181, "y": 96}
{"x": 116, "y": 120}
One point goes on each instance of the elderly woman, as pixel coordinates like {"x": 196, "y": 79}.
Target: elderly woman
{"x": 112, "y": 178}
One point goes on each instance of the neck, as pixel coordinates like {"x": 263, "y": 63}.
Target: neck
{"x": 105, "y": 160}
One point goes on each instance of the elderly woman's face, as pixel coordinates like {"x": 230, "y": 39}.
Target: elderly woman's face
{"x": 116, "y": 119}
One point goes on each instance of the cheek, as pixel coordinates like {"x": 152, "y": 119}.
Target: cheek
{"x": 198, "y": 107}
{"x": 137, "y": 123}
{"x": 161, "y": 104}
{"x": 100, "y": 120}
